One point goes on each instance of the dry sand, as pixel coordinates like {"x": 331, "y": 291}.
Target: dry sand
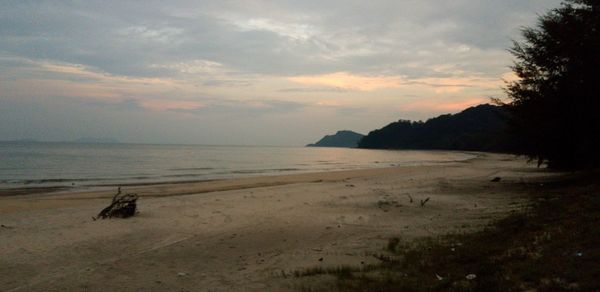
{"x": 246, "y": 234}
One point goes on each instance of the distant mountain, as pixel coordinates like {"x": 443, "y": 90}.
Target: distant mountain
{"x": 93, "y": 140}
{"x": 84, "y": 140}
{"x": 26, "y": 140}
{"x": 479, "y": 128}
{"x": 346, "y": 139}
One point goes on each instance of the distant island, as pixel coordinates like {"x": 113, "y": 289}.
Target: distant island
{"x": 94, "y": 140}
{"x": 479, "y": 128}
{"x": 346, "y": 139}
{"x": 83, "y": 140}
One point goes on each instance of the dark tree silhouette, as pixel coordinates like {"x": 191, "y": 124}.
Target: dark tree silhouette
{"x": 480, "y": 128}
{"x": 555, "y": 104}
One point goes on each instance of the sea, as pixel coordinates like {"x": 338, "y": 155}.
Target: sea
{"x": 36, "y": 164}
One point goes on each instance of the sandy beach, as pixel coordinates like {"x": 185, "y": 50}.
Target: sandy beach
{"x": 246, "y": 234}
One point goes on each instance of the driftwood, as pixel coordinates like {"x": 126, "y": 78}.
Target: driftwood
{"x": 423, "y": 202}
{"x": 122, "y": 206}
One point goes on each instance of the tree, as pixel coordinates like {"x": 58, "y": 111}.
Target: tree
{"x": 555, "y": 102}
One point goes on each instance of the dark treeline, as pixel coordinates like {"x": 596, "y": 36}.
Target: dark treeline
{"x": 556, "y": 102}
{"x": 480, "y": 128}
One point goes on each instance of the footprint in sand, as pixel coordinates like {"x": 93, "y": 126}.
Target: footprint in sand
{"x": 227, "y": 219}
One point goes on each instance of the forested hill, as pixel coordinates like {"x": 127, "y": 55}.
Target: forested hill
{"x": 347, "y": 139}
{"x": 479, "y": 128}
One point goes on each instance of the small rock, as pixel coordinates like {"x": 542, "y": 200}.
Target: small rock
{"x": 439, "y": 277}
{"x": 182, "y": 274}
{"x": 496, "y": 179}
{"x": 471, "y": 277}
{"x": 320, "y": 259}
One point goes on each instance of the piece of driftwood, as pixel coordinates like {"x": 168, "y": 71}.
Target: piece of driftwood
{"x": 423, "y": 202}
{"x": 121, "y": 206}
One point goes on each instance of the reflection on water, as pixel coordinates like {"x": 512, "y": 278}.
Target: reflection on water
{"x": 66, "y": 164}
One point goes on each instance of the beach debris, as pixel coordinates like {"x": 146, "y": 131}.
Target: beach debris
{"x": 471, "y": 277}
{"x": 496, "y": 179}
{"x": 182, "y": 274}
{"x": 350, "y": 185}
{"x": 423, "y": 202}
{"x": 440, "y": 278}
{"x": 410, "y": 198}
{"x": 6, "y": 226}
{"x": 121, "y": 206}
{"x": 320, "y": 259}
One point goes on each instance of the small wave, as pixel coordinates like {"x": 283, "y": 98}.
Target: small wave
{"x": 285, "y": 169}
{"x": 134, "y": 177}
{"x": 324, "y": 162}
{"x": 248, "y": 171}
{"x": 184, "y": 175}
{"x": 193, "y": 168}
{"x": 68, "y": 180}
{"x": 255, "y": 171}
{"x": 59, "y": 180}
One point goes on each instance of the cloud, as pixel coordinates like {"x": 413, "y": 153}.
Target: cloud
{"x": 285, "y": 63}
{"x": 345, "y": 80}
{"x": 286, "y": 37}
{"x": 296, "y": 32}
{"x": 244, "y": 108}
{"x": 162, "y": 105}
{"x": 348, "y": 81}
{"x": 444, "y": 105}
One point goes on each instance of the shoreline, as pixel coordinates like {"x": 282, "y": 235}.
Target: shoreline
{"x": 57, "y": 194}
{"x": 23, "y": 189}
{"x": 44, "y": 198}
{"x": 252, "y": 232}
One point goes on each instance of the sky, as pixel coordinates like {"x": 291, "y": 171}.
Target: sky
{"x": 247, "y": 72}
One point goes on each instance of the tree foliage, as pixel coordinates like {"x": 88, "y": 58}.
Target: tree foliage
{"x": 556, "y": 114}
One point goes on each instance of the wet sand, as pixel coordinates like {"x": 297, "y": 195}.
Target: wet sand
{"x": 246, "y": 234}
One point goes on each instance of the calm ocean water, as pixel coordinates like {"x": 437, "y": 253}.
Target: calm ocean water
{"x": 72, "y": 164}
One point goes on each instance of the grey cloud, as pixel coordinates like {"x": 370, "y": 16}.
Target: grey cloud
{"x": 125, "y": 38}
{"x": 246, "y": 108}
{"x": 128, "y": 104}
{"x": 313, "y": 89}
